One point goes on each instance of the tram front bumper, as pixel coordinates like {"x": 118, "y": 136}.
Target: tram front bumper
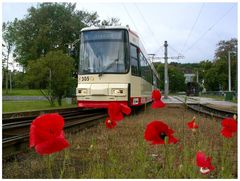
{"x": 90, "y": 95}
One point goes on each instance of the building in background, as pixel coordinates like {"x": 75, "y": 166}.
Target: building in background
{"x": 189, "y": 76}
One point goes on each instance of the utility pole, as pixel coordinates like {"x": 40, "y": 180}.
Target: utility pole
{"x": 166, "y": 83}
{"x": 166, "y": 78}
{"x": 229, "y": 71}
{"x": 8, "y": 53}
{"x": 197, "y": 76}
{"x": 10, "y": 75}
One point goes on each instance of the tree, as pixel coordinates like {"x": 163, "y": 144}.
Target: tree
{"x": 8, "y": 36}
{"x": 221, "y": 61}
{"x": 111, "y": 22}
{"x": 160, "y": 70}
{"x": 224, "y": 46}
{"x": 221, "y": 55}
{"x": 202, "y": 69}
{"x": 216, "y": 73}
{"x": 89, "y": 19}
{"x": 52, "y": 72}
{"x": 18, "y": 80}
{"x": 212, "y": 82}
{"x": 176, "y": 78}
{"x": 50, "y": 27}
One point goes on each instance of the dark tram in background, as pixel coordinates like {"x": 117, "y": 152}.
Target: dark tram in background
{"x": 192, "y": 89}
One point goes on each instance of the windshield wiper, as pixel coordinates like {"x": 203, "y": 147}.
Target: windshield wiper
{"x": 108, "y": 66}
{"x": 101, "y": 67}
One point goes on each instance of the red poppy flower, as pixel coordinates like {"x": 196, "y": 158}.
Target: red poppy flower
{"x": 156, "y": 96}
{"x": 115, "y": 111}
{"x": 46, "y": 134}
{"x": 157, "y": 104}
{"x": 125, "y": 109}
{"x": 192, "y": 124}
{"x": 157, "y": 131}
{"x": 229, "y": 127}
{"x": 110, "y": 124}
{"x": 204, "y": 163}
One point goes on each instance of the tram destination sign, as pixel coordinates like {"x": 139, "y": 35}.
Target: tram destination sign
{"x": 103, "y": 35}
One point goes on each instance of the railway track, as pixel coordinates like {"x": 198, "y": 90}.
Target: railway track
{"x": 207, "y": 109}
{"x": 38, "y": 112}
{"x": 15, "y": 131}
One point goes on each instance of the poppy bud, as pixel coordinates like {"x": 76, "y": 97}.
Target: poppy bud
{"x": 235, "y": 116}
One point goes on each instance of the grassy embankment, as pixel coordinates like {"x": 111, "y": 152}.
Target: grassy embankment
{"x": 22, "y": 92}
{"x": 15, "y": 106}
{"x": 122, "y": 152}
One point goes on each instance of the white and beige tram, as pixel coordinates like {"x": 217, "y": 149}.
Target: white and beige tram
{"x": 113, "y": 67}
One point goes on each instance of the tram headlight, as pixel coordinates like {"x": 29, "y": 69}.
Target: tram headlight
{"x": 82, "y": 91}
{"x": 117, "y": 91}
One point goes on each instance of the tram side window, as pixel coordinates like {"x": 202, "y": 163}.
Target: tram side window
{"x": 149, "y": 74}
{"x": 134, "y": 60}
{"x": 143, "y": 64}
{"x": 146, "y": 71}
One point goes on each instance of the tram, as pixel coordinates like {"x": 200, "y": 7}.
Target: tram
{"x": 114, "y": 67}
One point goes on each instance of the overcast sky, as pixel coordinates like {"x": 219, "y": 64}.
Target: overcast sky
{"x": 191, "y": 29}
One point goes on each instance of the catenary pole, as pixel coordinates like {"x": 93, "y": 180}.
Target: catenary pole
{"x": 166, "y": 80}
{"x": 229, "y": 72}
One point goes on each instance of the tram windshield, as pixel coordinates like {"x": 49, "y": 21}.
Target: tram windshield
{"x": 103, "y": 51}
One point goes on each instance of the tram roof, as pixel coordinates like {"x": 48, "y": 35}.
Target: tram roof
{"x": 104, "y": 27}
{"x": 110, "y": 27}
{"x": 132, "y": 32}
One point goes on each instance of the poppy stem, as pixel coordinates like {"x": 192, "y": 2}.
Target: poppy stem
{"x": 64, "y": 163}
{"x": 166, "y": 159}
{"x": 49, "y": 167}
{"x": 226, "y": 163}
{"x": 154, "y": 114}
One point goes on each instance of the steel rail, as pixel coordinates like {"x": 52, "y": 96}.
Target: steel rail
{"x": 205, "y": 109}
{"x": 7, "y": 118}
{"x": 25, "y": 121}
{"x": 16, "y": 133}
{"x": 37, "y": 112}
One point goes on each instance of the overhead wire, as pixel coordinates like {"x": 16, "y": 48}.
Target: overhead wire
{"x": 149, "y": 28}
{"x": 172, "y": 48}
{"x": 193, "y": 26}
{"x": 151, "y": 31}
{"x": 161, "y": 48}
{"x": 209, "y": 29}
{"x": 132, "y": 21}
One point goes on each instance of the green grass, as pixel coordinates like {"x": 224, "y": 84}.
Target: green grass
{"x": 22, "y": 92}
{"x": 122, "y": 152}
{"x": 218, "y": 98}
{"x": 15, "y": 106}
